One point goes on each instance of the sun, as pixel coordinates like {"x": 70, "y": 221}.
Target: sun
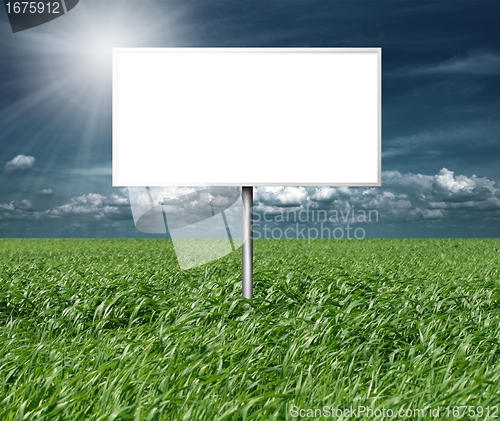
{"x": 63, "y": 78}
{"x": 78, "y": 55}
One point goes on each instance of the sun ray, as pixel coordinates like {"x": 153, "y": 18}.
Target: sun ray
{"x": 62, "y": 96}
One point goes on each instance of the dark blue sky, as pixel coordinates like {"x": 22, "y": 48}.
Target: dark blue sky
{"x": 441, "y": 109}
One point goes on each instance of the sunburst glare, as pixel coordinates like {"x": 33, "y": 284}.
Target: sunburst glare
{"x": 65, "y": 75}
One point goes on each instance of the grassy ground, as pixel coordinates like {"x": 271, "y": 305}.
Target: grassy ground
{"x": 112, "y": 330}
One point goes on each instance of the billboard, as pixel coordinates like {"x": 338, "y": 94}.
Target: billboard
{"x": 246, "y": 116}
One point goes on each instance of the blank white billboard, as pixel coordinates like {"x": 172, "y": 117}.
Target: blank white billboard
{"x": 247, "y": 116}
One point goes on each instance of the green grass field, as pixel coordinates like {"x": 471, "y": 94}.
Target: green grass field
{"x": 113, "y": 330}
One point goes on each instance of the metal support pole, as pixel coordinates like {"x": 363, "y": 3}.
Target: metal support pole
{"x": 247, "y": 247}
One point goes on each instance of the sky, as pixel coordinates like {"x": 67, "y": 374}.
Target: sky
{"x": 440, "y": 115}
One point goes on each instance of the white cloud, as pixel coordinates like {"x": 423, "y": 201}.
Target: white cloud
{"x": 83, "y": 209}
{"x": 25, "y": 204}
{"x": 91, "y": 171}
{"x": 95, "y": 205}
{"x": 401, "y": 197}
{"x": 437, "y": 142}
{"x": 476, "y": 63}
{"x": 7, "y": 206}
{"x": 16, "y": 210}
{"x": 19, "y": 164}
{"x": 46, "y": 192}
{"x": 282, "y": 196}
{"x": 119, "y": 199}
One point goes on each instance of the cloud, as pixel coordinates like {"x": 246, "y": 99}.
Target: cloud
{"x": 466, "y": 142}
{"x": 444, "y": 199}
{"x": 7, "y": 207}
{"x": 450, "y": 188}
{"x": 92, "y": 205}
{"x": 25, "y": 204}
{"x": 282, "y": 196}
{"x": 475, "y": 63}
{"x": 19, "y": 164}
{"x": 402, "y": 197}
{"x": 92, "y": 171}
{"x": 16, "y": 210}
{"x": 46, "y": 192}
